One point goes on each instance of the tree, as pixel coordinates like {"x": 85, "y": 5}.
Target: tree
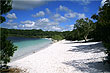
{"x": 57, "y": 37}
{"x": 6, "y": 47}
{"x": 103, "y": 26}
{"x": 6, "y": 6}
{"x": 83, "y": 28}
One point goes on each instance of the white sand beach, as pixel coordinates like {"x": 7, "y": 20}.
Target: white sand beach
{"x": 65, "y": 57}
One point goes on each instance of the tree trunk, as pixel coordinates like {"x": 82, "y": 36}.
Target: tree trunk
{"x": 85, "y": 38}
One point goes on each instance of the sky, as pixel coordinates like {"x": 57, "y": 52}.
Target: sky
{"x": 49, "y": 15}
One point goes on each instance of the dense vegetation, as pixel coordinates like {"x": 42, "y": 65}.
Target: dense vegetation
{"x": 84, "y": 27}
{"x": 6, "y": 47}
{"x": 32, "y": 33}
{"x": 57, "y": 37}
{"x": 6, "y": 6}
{"x": 102, "y": 31}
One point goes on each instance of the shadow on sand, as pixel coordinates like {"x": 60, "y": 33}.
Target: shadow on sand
{"x": 93, "y": 48}
{"x": 89, "y": 67}
{"x": 92, "y": 65}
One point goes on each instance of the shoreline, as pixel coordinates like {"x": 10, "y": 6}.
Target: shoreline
{"x": 65, "y": 57}
{"x": 32, "y": 52}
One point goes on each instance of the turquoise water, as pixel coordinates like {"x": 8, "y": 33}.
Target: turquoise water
{"x": 27, "y": 46}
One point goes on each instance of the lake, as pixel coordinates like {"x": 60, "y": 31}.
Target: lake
{"x": 28, "y": 46}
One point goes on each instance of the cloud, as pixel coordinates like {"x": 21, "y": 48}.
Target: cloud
{"x": 63, "y": 8}
{"x": 56, "y": 28}
{"x": 53, "y": 23}
{"x": 27, "y": 4}
{"x": 11, "y": 24}
{"x": 81, "y": 16}
{"x": 68, "y": 27}
{"x": 28, "y": 23}
{"x": 39, "y": 14}
{"x": 56, "y": 15}
{"x": 47, "y": 11}
{"x": 43, "y": 23}
{"x": 10, "y": 20}
{"x": 85, "y": 2}
{"x": 58, "y": 18}
{"x": 53, "y": 28}
{"x": 11, "y": 16}
{"x": 44, "y": 20}
{"x": 70, "y": 15}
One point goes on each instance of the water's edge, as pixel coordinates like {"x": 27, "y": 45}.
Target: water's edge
{"x": 28, "y": 46}
{"x": 12, "y": 60}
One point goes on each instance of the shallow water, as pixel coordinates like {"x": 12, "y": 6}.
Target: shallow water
{"x": 27, "y": 46}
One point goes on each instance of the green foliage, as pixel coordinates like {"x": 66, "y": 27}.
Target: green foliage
{"x": 33, "y": 33}
{"x": 83, "y": 27}
{"x": 6, "y": 48}
{"x": 6, "y": 6}
{"x": 68, "y": 35}
{"x": 71, "y": 35}
{"x": 102, "y": 31}
{"x": 57, "y": 37}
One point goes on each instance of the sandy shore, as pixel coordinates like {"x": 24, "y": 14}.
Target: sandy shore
{"x": 65, "y": 57}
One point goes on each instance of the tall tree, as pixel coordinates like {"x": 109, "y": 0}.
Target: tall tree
{"x": 6, "y": 47}
{"x": 103, "y": 26}
{"x": 6, "y": 6}
{"x": 84, "y": 27}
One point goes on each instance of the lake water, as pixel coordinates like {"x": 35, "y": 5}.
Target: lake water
{"x": 27, "y": 46}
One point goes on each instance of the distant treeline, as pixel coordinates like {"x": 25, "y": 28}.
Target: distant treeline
{"x": 33, "y": 33}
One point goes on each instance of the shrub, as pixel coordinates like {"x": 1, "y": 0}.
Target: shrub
{"x": 57, "y": 37}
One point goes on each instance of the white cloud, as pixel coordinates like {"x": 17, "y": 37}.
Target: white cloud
{"x": 15, "y": 27}
{"x": 81, "y": 16}
{"x": 44, "y": 20}
{"x": 39, "y": 14}
{"x": 71, "y": 27}
{"x": 61, "y": 19}
{"x": 56, "y": 28}
{"x": 11, "y": 24}
{"x": 53, "y": 23}
{"x": 63, "y": 8}
{"x": 28, "y": 23}
{"x": 56, "y": 15}
{"x": 70, "y": 15}
{"x": 10, "y": 20}
{"x": 43, "y": 23}
{"x": 53, "y": 28}
{"x": 58, "y": 18}
{"x": 68, "y": 27}
{"x": 11, "y": 16}
{"x": 83, "y": 2}
{"x": 27, "y": 4}
{"x": 47, "y": 11}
